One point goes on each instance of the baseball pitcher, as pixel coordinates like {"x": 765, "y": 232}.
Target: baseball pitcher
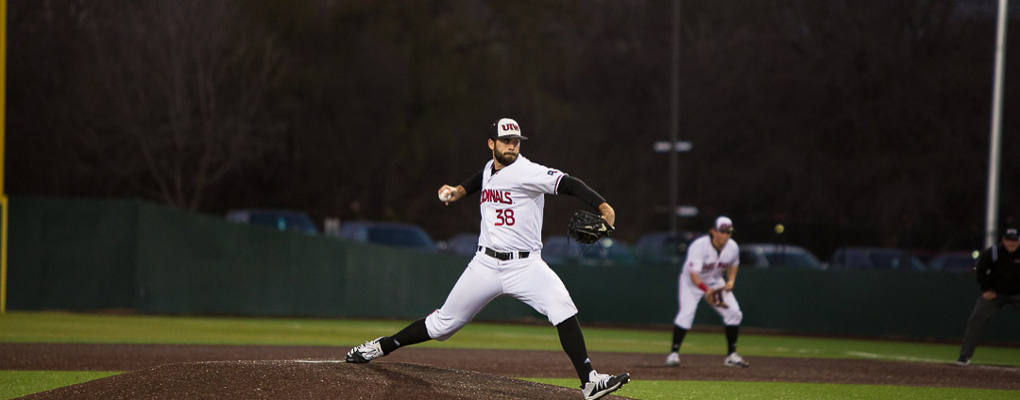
{"x": 509, "y": 258}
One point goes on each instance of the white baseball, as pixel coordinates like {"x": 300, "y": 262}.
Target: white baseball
{"x": 445, "y": 195}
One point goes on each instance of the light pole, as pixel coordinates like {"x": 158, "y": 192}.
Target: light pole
{"x": 675, "y": 210}
{"x": 674, "y": 126}
{"x": 994, "y": 152}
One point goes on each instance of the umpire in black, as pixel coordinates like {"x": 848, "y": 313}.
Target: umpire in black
{"x": 998, "y": 273}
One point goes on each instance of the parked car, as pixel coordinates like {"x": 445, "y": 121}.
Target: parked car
{"x": 661, "y": 247}
{"x": 771, "y": 255}
{"x": 607, "y": 251}
{"x": 954, "y": 261}
{"x": 281, "y": 219}
{"x": 389, "y": 234}
{"x": 462, "y": 244}
{"x": 875, "y": 258}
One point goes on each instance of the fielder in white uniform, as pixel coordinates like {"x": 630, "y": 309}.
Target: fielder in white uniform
{"x": 708, "y": 257}
{"x": 509, "y": 258}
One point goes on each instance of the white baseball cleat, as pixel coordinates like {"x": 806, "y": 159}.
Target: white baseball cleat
{"x": 962, "y": 362}
{"x": 365, "y": 352}
{"x": 673, "y": 359}
{"x": 599, "y": 385}
{"x": 735, "y": 360}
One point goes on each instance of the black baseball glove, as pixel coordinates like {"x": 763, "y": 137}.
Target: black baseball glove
{"x": 587, "y": 228}
{"x": 715, "y": 298}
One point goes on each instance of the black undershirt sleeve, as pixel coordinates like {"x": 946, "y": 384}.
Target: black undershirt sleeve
{"x": 473, "y": 184}
{"x": 575, "y": 187}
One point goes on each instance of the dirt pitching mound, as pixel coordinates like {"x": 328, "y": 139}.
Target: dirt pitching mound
{"x": 306, "y": 379}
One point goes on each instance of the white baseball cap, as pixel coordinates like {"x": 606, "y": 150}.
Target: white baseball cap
{"x": 724, "y": 224}
{"x": 506, "y": 128}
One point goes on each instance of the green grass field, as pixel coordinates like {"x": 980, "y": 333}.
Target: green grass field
{"x": 20, "y": 327}
{"x": 21, "y": 383}
{"x": 698, "y": 390}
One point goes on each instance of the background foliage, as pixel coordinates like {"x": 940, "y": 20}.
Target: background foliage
{"x": 851, "y": 122}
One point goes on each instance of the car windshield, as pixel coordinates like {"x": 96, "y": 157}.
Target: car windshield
{"x": 564, "y": 249}
{"x": 597, "y": 251}
{"x": 894, "y": 260}
{"x": 282, "y": 222}
{"x": 557, "y": 247}
{"x": 395, "y": 236}
{"x": 569, "y": 248}
{"x": 793, "y": 260}
{"x": 953, "y": 263}
{"x": 661, "y": 247}
{"x": 463, "y": 244}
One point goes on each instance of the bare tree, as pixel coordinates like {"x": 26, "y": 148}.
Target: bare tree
{"x": 173, "y": 94}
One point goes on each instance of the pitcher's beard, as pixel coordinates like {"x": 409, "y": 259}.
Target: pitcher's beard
{"x": 505, "y": 158}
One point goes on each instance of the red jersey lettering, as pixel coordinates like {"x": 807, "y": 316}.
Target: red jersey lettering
{"x": 495, "y": 196}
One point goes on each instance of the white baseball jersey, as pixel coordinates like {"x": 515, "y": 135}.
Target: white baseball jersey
{"x": 512, "y": 203}
{"x": 710, "y": 264}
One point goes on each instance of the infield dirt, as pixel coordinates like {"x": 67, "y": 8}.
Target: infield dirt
{"x": 305, "y": 372}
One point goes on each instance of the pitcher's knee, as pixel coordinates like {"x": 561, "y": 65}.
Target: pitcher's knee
{"x": 442, "y": 326}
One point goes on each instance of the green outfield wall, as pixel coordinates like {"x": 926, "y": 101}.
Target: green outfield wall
{"x": 82, "y": 254}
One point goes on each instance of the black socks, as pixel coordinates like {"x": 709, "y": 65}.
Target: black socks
{"x": 412, "y": 334}
{"x": 731, "y": 338}
{"x": 678, "y": 337}
{"x": 569, "y": 331}
{"x": 572, "y": 341}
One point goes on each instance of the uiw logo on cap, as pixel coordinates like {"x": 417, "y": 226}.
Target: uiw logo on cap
{"x": 506, "y": 128}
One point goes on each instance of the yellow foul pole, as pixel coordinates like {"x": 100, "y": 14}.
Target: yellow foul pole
{"x": 3, "y": 155}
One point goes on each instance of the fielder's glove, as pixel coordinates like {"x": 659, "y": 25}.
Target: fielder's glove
{"x": 715, "y": 298}
{"x": 587, "y": 228}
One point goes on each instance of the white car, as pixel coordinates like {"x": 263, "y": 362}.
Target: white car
{"x": 875, "y": 258}
{"x": 773, "y": 255}
{"x": 280, "y": 219}
{"x": 663, "y": 248}
{"x": 562, "y": 249}
{"x": 389, "y": 234}
{"x": 954, "y": 261}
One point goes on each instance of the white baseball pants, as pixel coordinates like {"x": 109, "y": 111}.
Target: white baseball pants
{"x": 690, "y": 295}
{"x": 529, "y": 280}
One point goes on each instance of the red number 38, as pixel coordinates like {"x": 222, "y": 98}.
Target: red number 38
{"x": 505, "y": 217}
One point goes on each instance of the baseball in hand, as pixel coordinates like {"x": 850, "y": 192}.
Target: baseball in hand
{"x": 445, "y": 195}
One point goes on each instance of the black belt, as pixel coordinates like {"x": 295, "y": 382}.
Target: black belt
{"x": 499, "y": 255}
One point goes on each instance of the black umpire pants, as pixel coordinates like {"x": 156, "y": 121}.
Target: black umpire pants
{"x": 983, "y": 310}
